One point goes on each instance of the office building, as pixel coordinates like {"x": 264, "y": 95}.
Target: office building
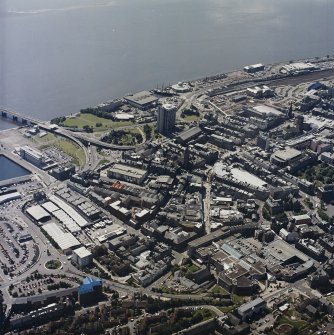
{"x": 82, "y": 257}
{"x": 31, "y": 155}
{"x": 166, "y": 118}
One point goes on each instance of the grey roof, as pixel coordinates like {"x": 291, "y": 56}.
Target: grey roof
{"x": 250, "y": 305}
{"x": 184, "y": 136}
{"x": 141, "y": 98}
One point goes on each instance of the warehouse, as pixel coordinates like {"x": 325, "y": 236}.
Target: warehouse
{"x": 79, "y": 220}
{"x": 9, "y": 197}
{"x": 50, "y": 207}
{"x": 38, "y": 213}
{"x": 65, "y": 241}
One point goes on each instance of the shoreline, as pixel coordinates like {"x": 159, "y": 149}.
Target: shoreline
{"x": 220, "y": 76}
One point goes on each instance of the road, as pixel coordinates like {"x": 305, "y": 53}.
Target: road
{"x": 206, "y": 207}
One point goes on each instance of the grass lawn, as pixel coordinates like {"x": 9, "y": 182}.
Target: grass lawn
{"x": 41, "y": 140}
{"x": 103, "y": 161}
{"x": 91, "y": 120}
{"x": 219, "y": 290}
{"x": 53, "y": 264}
{"x": 72, "y": 150}
{"x": 300, "y": 324}
{"x": 191, "y": 118}
{"x": 237, "y": 300}
{"x": 47, "y": 138}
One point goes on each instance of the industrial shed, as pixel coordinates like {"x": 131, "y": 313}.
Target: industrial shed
{"x": 65, "y": 241}
{"x": 38, "y": 213}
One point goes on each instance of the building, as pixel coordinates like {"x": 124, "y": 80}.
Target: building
{"x": 90, "y": 291}
{"x": 327, "y": 157}
{"x": 166, "y": 118}
{"x": 189, "y": 135}
{"x": 82, "y": 257}
{"x": 38, "y": 213}
{"x": 254, "y": 68}
{"x": 63, "y": 173}
{"x": 299, "y": 67}
{"x": 9, "y": 197}
{"x": 36, "y": 317}
{"x": 285, "y": 157}
{"x": 252, "y": 308}
{"x": 142, "y": 100}
{"x": 32, "y": 156}
{"x": 65, "y": 241}
{"x": 127, "y": 173}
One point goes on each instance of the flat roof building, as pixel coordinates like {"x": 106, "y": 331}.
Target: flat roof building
{"x": 142, "y": 100}
{"x": 127, "y": 173}
{"x": 65, "y": 241}
{"x": 254, "y": 68}
{"x": 38, "y": 213}
{"x": 32, "y": 156}
{"x": 251, "y": 308}
{"x": 9, "y": 197}
{"x": 285, "y": 157}
{"x": 82, "y": 257}
{"x": 299, "y": 67}
{"x": 189, "y": 135}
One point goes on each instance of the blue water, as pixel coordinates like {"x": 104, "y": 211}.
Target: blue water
{"x": 9, "y": 169}
{"x": 57, "y": 56}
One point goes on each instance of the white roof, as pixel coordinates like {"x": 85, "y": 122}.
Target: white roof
{"x": 82, "y": 252}
{"x": 50, "y": 207}
{"x": 9, "y": 197}
{"x": 37, "y": 212}
{"x": 64, "y": 240}
{"x": 67, "y": 221}
{"x": 124, "y": 116}
{"x": 246, "y": 177}
{"x": 263, "y": 109}
{"x": 81, "y": 222}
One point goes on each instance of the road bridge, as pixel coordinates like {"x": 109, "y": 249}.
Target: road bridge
{"x": 11, "y": 114}
{"x": 78, "y": 137}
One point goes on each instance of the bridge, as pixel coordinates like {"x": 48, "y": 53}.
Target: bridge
{"x": 11, "y": 114}
{"x": 77, "y": 137}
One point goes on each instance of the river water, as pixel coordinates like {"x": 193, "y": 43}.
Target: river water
{"x": 57, "y": 56}
{"x": 9, "y": 169}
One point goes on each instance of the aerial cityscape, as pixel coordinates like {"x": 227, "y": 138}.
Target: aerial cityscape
{"x": 204, "y": 206}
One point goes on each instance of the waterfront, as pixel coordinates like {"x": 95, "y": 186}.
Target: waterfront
{"x": 10, "y": 169}
{"x": 84, "y": 53}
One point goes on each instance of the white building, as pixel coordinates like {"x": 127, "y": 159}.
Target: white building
{"x": 82, "y": 257}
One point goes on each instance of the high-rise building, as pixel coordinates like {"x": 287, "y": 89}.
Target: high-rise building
{"x": 166, "y": 118}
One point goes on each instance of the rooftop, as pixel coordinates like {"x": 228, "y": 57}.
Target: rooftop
{"x": 287, "y": 154}
{"x": 263, "y": 109}
{"x": 128, "y": 171}
{"x": 82, "y": 252}
{"x": 38, "y": 212}
{"x": 142, "y": 98}
{"x": 250, "y": 305}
